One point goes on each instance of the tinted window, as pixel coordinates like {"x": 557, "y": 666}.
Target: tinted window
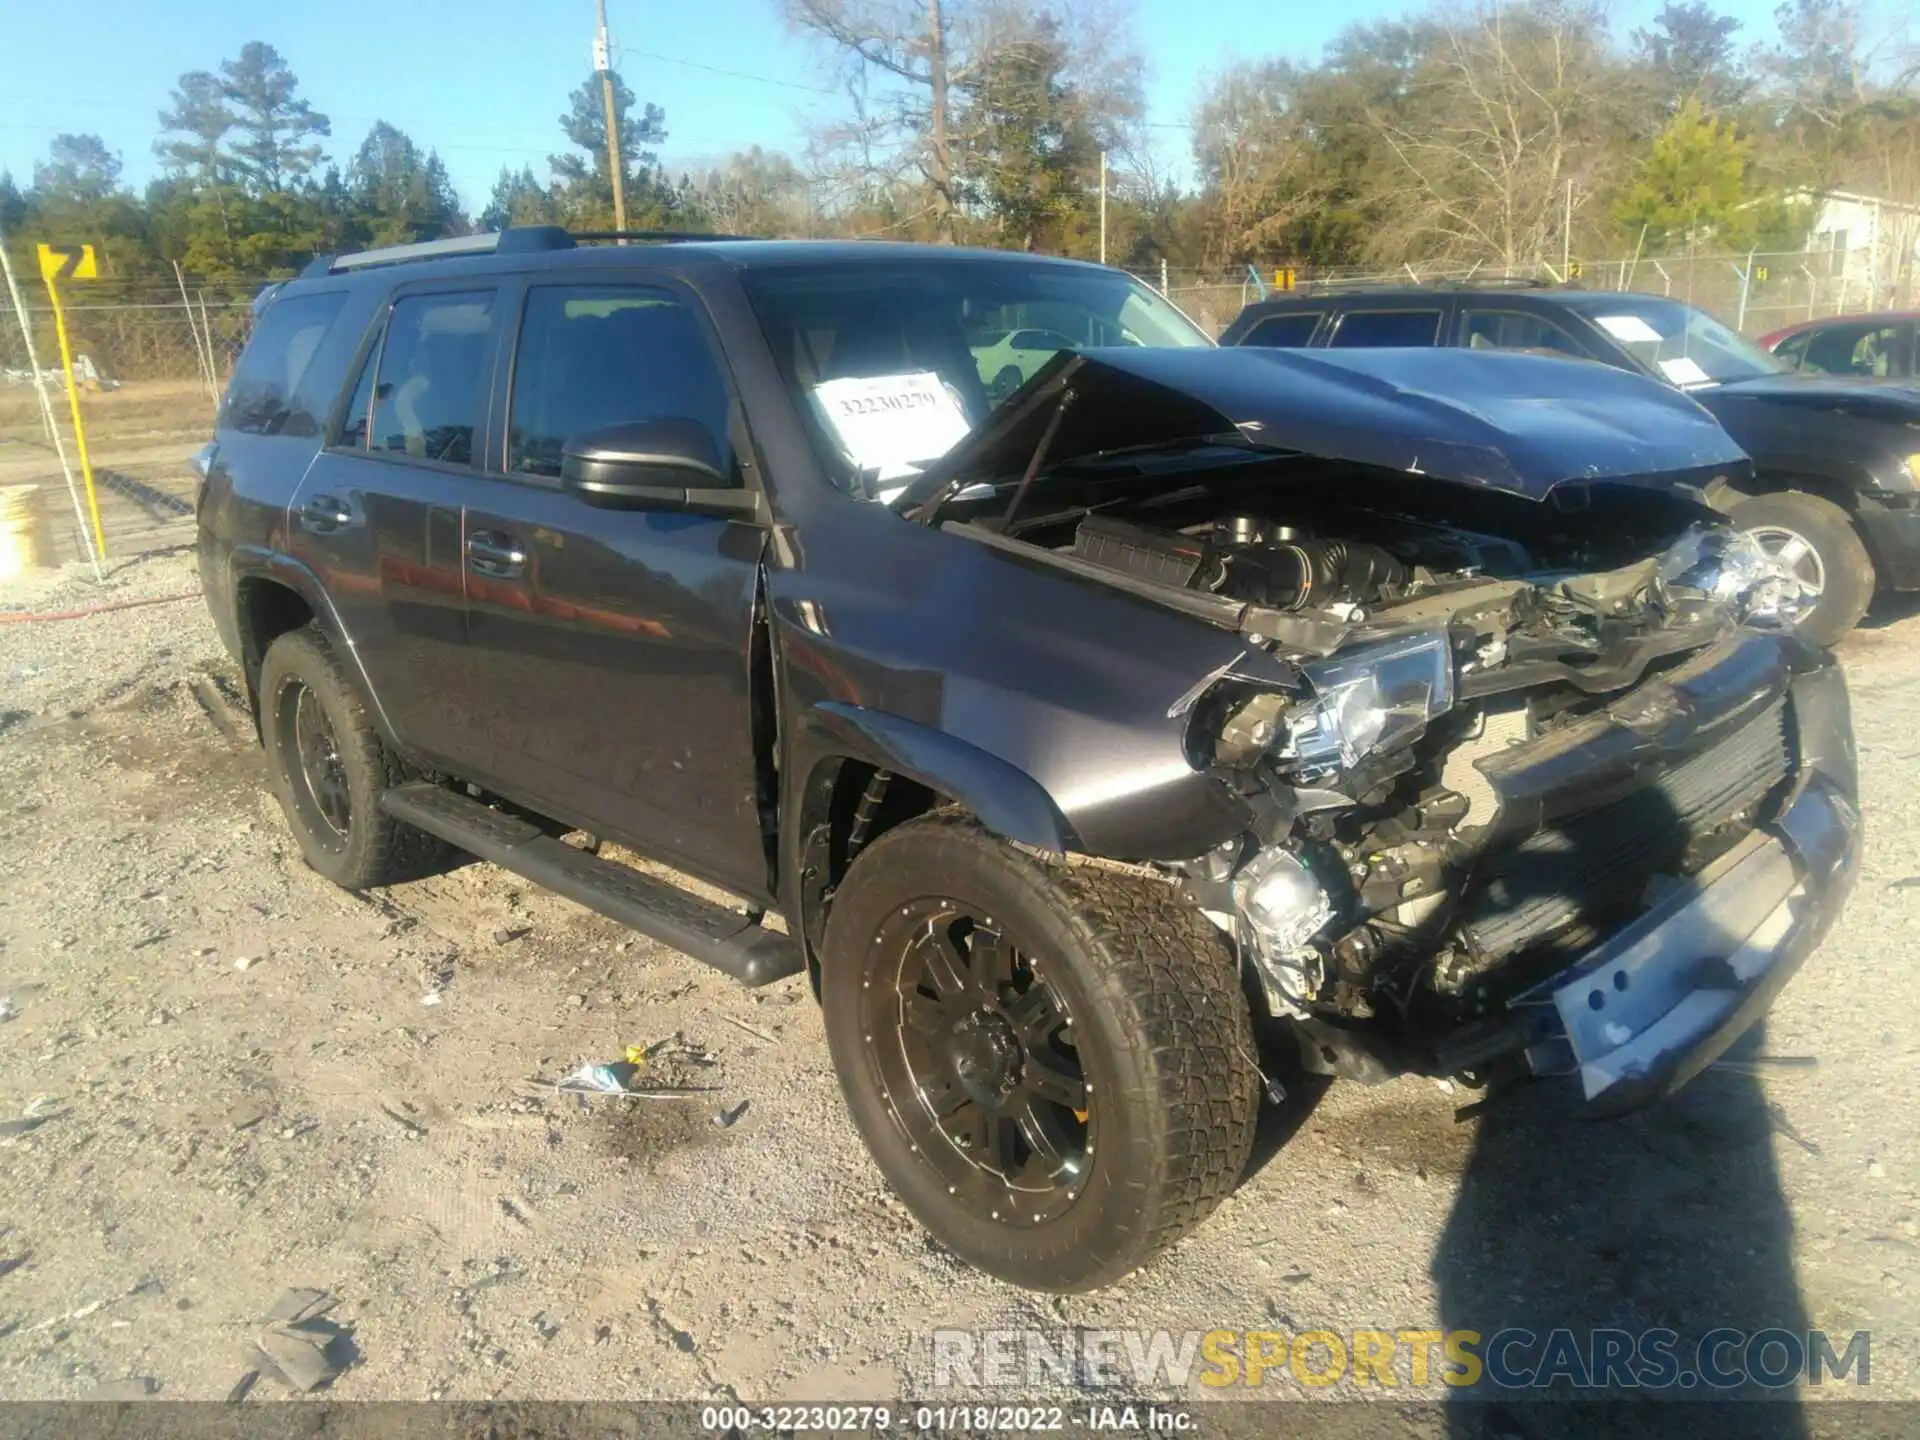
{"x": 426, "y": 401}
{"x": 1388, "y": 327}
{"x": 1512, "y": 330}
{"x": 594, "y": 356}
{"x": 1851, "y": 350}
{"x": 1283, "y": 332}
{"x": 276, "y": 357}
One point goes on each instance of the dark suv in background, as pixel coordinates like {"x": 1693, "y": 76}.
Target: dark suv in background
{"x": 1059, "y": 737}
{"x": 1836, "y": 490}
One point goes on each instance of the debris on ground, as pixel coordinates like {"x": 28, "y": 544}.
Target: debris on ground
{"x": 753, "y": 1030}
{"x": 591, "y": 1079}
{"x": 299, "y": 1346}
{"x": 727, "y": 1119}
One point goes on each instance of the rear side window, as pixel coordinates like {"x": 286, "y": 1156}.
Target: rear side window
{"x": 1283, "y": 332}
{"x": 1515, "y": 330}
{"x": 427, "y": 389}
{"x": 284, "y": 341}
{"x": 594, "y": 356}
{"x": 1363, "y": 328}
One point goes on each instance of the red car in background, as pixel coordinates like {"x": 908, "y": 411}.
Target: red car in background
{"x": 1878, "y": 345}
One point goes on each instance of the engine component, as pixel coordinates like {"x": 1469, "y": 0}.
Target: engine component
{"x": 1281, "y": 906}
{"x": 1496, "y": 728}
{"x": 1248, "y": 559}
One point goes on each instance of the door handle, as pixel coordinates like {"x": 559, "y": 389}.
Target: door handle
{"x": 491, "y": 553}
{"x": 323, "y": 513}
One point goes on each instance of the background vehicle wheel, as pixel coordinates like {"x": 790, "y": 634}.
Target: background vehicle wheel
{"x": 1053, "y": 1064}
{"x": 1818, "y": 540}
{"x": 327, "y": 766}
{"x": 1005, "y": 383}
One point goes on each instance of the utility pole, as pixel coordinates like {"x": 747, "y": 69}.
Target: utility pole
{"x": 1103, "y": 207}
{"x": 603, "y": 63}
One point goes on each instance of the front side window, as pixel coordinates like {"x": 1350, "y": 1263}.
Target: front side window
{"x": 1793, "y": 350}
{"x": 594, "y": 356}
{"x": 1371, "y": 328}
{"x": 1283, "y": 332}
{"x": 1516, "y": 330}
{"x": 431, "y": 367}
{"x": 891, "y": 362}
{"x": 1863, "y": 349}
{"x": 260, "y": 398}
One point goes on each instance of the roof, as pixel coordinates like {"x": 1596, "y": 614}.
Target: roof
{"x": 1858, "y": 317}
{"x": 550, "y": 248}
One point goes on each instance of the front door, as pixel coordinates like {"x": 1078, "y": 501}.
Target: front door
{"x": 612, "y": 649}
{"x": 377, "y": 516}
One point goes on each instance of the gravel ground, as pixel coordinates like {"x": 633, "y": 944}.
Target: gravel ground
{"x": 249, "y": 1080}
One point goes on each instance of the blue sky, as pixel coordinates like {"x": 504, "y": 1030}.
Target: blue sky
{"x": 485, "y": 80}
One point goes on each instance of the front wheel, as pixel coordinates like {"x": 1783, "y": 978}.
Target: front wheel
{"x": 1815, "y": 539}
{"x": 1053, "y": 1064}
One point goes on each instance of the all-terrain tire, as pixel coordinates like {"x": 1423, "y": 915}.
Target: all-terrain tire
{"x": 1845, "y": 568}
{"x": 1161, "y": 1027}
{"x": 370, "y": 848}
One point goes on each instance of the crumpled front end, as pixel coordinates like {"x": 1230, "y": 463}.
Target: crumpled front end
{"x": 1660, "y": 999}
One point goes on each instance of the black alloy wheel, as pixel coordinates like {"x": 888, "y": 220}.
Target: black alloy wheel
{"x": 977, "y": 1063}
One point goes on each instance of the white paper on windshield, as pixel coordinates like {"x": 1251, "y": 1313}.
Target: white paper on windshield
{"x": 1684, "y": 370}
{"x": 893, "y": 424}
{"x": 1628, "y": 329}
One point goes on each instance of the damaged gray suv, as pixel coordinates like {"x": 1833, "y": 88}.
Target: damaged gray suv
{"x": 1408, "y": 705}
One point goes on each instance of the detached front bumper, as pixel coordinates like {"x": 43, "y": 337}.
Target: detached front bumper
{"x": 1655, "y": 1004}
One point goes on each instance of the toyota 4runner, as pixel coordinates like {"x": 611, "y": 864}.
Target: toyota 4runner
{"x": 1408, "y": 705}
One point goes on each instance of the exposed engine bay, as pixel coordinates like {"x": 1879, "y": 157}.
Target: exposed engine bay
{"x": 1448, "y": 811}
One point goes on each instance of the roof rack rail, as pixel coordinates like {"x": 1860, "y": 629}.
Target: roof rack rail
{"x": 655, "y": 235}
{"x": 1465, "y": 282}
{"x": 516, "y": 239}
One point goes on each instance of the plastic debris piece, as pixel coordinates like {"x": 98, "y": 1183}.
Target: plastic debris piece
{"x": 300, "y": 1304}
{"x": 727, "y": 1119}
{"x": 245, "y": 962}
{"x": 636, "y": 1055}
{"x": 432, "y": 997}
{"x": 602, "y": 1079}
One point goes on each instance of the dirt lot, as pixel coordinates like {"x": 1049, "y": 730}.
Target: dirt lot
{"x": 249, "y": 1080}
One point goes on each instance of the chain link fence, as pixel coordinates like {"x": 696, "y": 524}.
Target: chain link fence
{"x": 1755, "y": 292}
{"x": 151, "y": 363}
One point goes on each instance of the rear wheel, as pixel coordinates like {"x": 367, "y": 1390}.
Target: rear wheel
{"x": 1814, "y": 538}
{"x": 328, "y": 766}
{"x": 1052, "y": 1064}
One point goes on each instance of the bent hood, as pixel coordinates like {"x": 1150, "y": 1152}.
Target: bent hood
{"x": 1862, "y": 395}
{"x": 1523, "y": 424}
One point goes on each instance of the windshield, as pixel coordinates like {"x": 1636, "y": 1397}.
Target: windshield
{"x": 892, "y": 362}
{"x": 1680, "y": 344}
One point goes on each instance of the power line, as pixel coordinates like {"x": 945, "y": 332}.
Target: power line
{"x": 735, "y": 74}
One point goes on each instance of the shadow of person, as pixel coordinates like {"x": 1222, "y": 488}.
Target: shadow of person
{"x": 1670, "y": 1218}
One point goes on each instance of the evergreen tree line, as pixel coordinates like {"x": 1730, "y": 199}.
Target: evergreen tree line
{"x": 1506, "y": 134}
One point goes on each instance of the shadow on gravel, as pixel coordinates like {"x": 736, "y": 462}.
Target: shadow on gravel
{"x": 1670, "y": 1219}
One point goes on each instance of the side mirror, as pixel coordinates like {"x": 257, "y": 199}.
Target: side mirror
{"x": 666, "y": 464}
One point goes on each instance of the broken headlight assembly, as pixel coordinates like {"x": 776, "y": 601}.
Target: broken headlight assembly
{"x": 1378, "y": 697}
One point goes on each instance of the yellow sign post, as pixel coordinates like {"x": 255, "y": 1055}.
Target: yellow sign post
{"x": 1284, "y": 278}
{"x": 73, "y": 262}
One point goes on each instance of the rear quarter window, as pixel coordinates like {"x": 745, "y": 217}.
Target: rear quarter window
{"x": 260, "y": 398}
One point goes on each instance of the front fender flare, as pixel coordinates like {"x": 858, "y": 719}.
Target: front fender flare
{"x": 1005, "y": 799}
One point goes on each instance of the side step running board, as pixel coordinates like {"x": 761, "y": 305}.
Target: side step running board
{"x": 711, "y": 934}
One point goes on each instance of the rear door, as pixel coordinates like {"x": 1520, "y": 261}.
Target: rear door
{"x": 377, "y": 516}
{"x": 611, "y": 649}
